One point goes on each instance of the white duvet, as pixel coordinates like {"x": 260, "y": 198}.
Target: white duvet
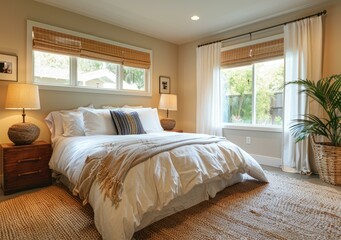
{"x": 162, "y": 185}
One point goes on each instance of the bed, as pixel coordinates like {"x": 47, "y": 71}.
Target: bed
{"x": 167, "y": 180}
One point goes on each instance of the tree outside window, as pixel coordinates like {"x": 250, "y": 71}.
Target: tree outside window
{"x": 252, "y": 94}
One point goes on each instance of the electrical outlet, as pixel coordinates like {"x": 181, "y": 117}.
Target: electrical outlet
{"x": 248, "y": 140}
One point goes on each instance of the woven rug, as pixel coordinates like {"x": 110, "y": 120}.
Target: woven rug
{"x": 285, "y": 208}
{"x": 50, "y": 213}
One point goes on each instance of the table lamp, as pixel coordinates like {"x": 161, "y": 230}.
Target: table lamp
{"x": 168, "y": 102}
{"x": 25, "y": 97}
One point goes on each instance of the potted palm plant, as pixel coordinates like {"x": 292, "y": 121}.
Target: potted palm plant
{"x": 327, "y": 93}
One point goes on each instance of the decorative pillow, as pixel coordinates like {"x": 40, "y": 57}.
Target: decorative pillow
{"x": 149, "y": 118}
{"x": 98, "y": 122}
{"x": 73, "y": 124}
{"x": 127, "y": 123}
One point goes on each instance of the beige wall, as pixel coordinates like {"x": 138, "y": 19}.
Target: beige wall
{"x": 332, "y": 40}
{"x": 187, "y": 75}
{"x": 13, "y": 41}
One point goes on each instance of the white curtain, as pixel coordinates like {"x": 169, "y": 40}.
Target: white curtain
{"x": 303, "y": 60}
{"x": 209, "y": 89}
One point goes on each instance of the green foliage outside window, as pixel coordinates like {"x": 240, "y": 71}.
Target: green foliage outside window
{"x": 238, "y": 100}
{"x": 134, "y": 76}
{"x": 267, "y": 79}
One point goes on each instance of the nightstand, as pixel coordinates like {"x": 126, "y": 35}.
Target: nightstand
{"x": 25, "y": 166}
{"x": 175, "y": 130}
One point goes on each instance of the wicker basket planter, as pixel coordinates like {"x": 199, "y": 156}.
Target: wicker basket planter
{"x": 328, "y": 162}
{"x": 326, "y": 92}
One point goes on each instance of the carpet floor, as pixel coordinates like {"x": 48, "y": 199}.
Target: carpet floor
{"x": 286, "y": 208}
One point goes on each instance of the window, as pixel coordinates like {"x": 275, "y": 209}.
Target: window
{"x": 253, "y": 88}
{"x": 97, "y": 74}
{"x": 51, "y": 68}
{"x": 76, "y": 60}
{"x": 134, "y": 78}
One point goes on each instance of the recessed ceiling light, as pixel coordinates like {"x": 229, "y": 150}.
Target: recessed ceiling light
{"x": 195, "y": 18}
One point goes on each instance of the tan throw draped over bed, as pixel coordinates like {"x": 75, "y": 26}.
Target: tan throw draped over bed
{"x": 111, "y": 167}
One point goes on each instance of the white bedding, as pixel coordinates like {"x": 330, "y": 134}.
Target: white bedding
{"x": 160, "y": 186}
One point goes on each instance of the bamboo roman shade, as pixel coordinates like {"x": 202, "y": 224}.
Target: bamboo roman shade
{"x": 252, "y": 53}
{"x": 57, "y": 42}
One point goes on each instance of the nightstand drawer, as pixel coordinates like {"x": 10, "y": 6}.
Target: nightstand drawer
{"x": 26, "y": 155}
{"x": 25, "y": 163}
{"x": 22, "y": 168}
{"x": 16, "y": 181}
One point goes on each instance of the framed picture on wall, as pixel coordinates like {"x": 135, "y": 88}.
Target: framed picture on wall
{"x": 164, "y": 84}
{"x": 8, "y": 68}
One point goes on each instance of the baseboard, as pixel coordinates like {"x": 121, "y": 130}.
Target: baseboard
{"x": 268, "y": 161}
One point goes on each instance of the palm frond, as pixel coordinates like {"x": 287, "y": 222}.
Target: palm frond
{"x": 327, "y": 93}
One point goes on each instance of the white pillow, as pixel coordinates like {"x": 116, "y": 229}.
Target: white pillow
{"x": 149, "y": 118}
{"x": 128, "y": 106}
{"x": 98, "y": 122}
{"x": 109, "y": 107}
{"x": 54, "y": 122}
{"x": 125, "y": 106}
{"x": 72, "y": 124}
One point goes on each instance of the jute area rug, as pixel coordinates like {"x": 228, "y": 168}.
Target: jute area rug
{"x": 285, "y": 208}
{"x": 51, "y": 213}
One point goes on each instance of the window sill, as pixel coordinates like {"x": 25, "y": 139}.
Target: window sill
{"x": 91, "y": 90}
{"x": 253, "y": 128}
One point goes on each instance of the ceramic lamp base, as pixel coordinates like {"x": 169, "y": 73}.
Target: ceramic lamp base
{"x": 23, "y": 133}
{"x": 167, "y": 123}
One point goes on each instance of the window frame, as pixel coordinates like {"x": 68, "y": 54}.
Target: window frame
{"x": 75, "y": 88}
{"x": 253, "y": 126}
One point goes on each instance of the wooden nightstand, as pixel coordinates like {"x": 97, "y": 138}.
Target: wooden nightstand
{"x": 25, "y": 166}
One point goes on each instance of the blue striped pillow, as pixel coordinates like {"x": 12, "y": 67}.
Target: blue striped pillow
{"x": 127, "y": 123}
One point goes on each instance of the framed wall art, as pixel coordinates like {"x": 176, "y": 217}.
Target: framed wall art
{"x": 8, "y": 68}
{"x": 164, "y": 84}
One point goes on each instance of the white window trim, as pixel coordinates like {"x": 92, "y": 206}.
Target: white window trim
{"x": 248, "y": 127}
{"x": 29, "y": 63}
{"x": 253, "y": 126}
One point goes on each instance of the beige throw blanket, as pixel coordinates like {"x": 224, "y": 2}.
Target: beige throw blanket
{"x": 111, "y": 165}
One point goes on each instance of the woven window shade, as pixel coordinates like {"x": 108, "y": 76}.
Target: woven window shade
{"x": 52, "y": 41}
{"x": 252, "y": 53}
{"x": 56, "y": 42}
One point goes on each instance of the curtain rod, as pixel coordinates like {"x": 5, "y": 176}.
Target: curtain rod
{"x": 324, "y": 12}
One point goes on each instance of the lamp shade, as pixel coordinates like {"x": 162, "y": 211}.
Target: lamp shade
{"x": 22, "y": 96}
{"x": 168, "y": 102}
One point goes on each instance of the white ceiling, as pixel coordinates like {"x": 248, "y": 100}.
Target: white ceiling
{"x": 170, "y": 19}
